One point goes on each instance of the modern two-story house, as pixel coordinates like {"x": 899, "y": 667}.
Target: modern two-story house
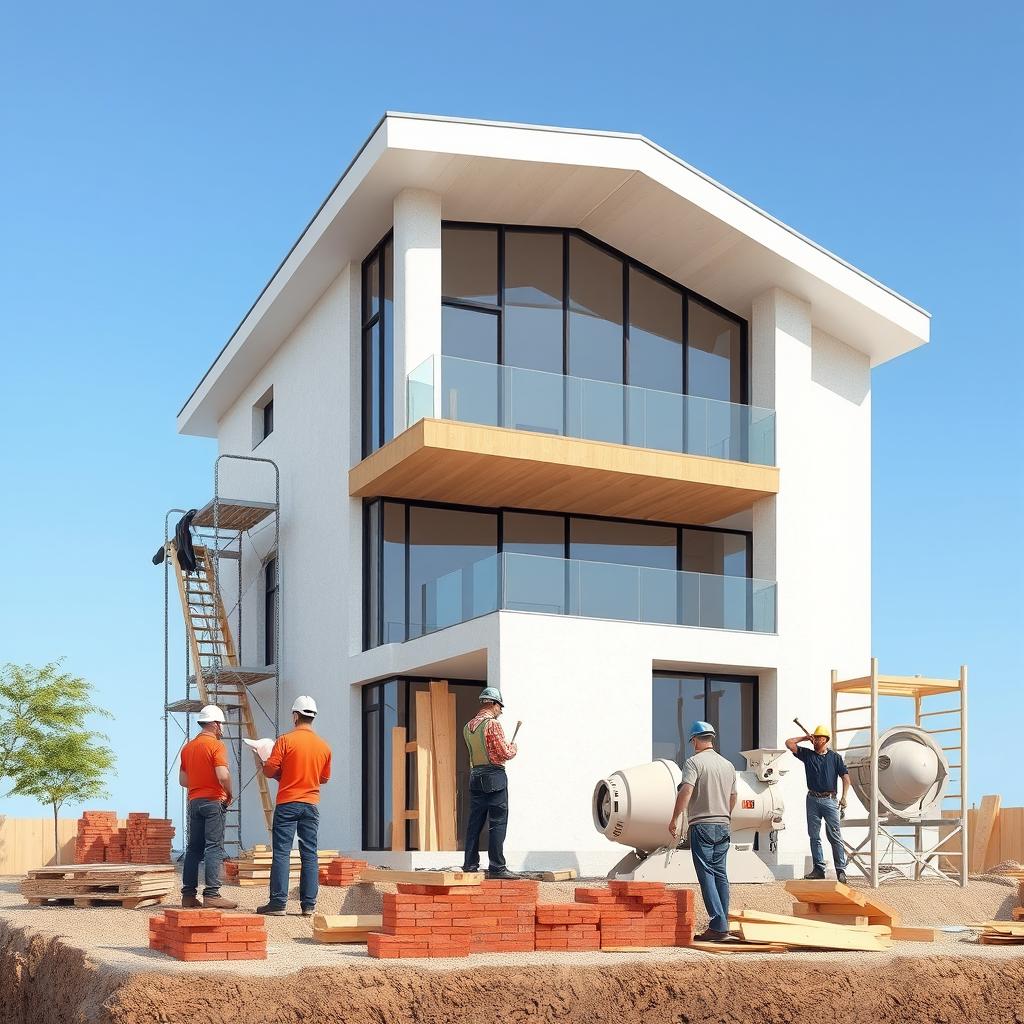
{"x": 554, "y": 412}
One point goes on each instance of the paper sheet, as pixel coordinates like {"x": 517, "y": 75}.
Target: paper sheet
{"x": 263, "y": 747}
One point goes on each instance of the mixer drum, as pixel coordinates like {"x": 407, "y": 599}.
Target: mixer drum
{"x": 913, "y": 773}
{"x": 632, "y": 806}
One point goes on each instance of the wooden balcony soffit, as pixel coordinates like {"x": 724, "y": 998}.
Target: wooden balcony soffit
{"x": 469, "y": 464}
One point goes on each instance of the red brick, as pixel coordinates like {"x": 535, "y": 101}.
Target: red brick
{"x": 251, "y": 954}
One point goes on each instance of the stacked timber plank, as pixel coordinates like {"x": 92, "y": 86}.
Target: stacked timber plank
{"x": 834, "y": 903}
{"x": 455, "y": 914}
{"x": 340, "y": 871}
{"x": 88, "y": 885}
{"x": 1002, "y": 933}
{"x": 208, "y": 935}
{"x": 253, "y": 866}
{"x": 94, "y": 831}
{"x": 345, "y": 927}
{"x": 148, "y": 840}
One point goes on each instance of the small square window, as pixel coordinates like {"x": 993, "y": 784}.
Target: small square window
{"x": 263, "y": 418}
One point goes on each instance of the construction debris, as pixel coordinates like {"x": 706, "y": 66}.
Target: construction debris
{"x": 87, "y": 885}
{"x": 340, "y": 871}
{"x": 208, "y": 935}
{"x": 345, "y": 927}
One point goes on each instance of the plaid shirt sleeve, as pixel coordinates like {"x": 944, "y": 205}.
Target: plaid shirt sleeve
{"x": 497, "y": 749}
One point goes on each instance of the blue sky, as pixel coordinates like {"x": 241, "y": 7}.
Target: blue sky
{"x": 159, "y": 161}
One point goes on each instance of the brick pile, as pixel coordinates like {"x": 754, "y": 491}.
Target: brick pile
{"x": 341, "y": 871}
{"x": 148, "y": 840}
{"x": 208, "y": 935}
{"x": 454, "y": 921}
{"x": 568, "y": 927}
{"x": 117, "y": 847}
{"x": 94, "y": 830}
{"x": 642, "y": 914}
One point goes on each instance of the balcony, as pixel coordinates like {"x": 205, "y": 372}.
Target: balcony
{"x": 493, "y": 436}
{"x": 601, "y": 590}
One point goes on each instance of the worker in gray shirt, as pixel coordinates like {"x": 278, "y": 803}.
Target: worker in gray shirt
{"x": 707, "y": 796}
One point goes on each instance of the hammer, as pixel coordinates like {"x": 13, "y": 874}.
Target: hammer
{"x": 519, "y": 725}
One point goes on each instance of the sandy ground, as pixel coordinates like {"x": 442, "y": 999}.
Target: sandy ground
{"x": 98, "y": 958}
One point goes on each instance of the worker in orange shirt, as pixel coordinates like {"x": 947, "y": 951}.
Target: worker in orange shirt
{"x": 301, "y": 763}
{"x": 204, "y": 773}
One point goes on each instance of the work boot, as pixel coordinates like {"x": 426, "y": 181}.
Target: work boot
{"x": 711, "y": 936}
{"x": 841, "y": 876}
{"x": 219, "y": 903}
{"x": 817, "y": 874}
{"x": 190, "y": 903}
{"x": 502, "y": 875}
{"x": 269, "y": 910}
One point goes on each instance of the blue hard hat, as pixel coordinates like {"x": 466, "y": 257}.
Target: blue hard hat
{"x": 491, "y": 693}
{"x": 701, "y": 729}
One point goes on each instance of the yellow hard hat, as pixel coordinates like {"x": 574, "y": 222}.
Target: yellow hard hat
{"x": 823, "y": 730}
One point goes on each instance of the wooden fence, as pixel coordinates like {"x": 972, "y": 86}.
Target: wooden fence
{"x": 28, "y": 843}
{"x": 1005, "y": 826}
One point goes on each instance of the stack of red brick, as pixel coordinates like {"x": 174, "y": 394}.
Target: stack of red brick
{"x": 148, "y": 840}
{"x": 341, "y": 871}
{"x": 504, "y": 917}
{"x": 642, "y": 914}
{"x": 208, "y": 935}
{"x": 454, "y": 921}
{"x": 94, "y": 831}
{"x": 568, "y": 927}
{"x": 117, "y": 847}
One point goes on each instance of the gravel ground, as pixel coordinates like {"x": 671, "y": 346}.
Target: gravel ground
{"x": 116, "y": 939}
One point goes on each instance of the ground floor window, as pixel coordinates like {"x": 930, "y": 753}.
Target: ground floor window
{"x": 728, "y": 702}
{"x": 388, "y": 704}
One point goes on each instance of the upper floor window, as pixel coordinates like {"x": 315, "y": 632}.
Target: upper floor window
{"x": 378, "y": 348}
{"x": 263, "y": 418}
{"x": 558, "y": 300}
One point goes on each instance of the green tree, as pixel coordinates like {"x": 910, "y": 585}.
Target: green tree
{"x": 56, "y": 767}
{"x": 35, "y": 702}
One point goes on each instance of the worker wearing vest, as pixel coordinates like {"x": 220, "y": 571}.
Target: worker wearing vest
{"x": 488, "y": 785}
{"x": 204, "y": 773}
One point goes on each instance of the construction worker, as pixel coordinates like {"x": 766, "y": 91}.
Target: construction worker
{"x": 301, "y": 763}
{"x": 823, "y": 768}
{"x": 707, "y": 796}
{"x": 488, "y": 785}
{"x": 204, "y": 773}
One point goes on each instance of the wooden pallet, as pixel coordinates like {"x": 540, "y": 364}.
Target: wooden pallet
{"x": 739, "y": 946}
{"x": 130, "y": 885}
{"x": 97, "y": 900}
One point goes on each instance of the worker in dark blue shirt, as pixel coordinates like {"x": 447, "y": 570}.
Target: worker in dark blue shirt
{"x": 823, "y": 768}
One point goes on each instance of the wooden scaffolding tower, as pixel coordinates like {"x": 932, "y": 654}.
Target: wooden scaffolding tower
{"x": 927, "y": 857}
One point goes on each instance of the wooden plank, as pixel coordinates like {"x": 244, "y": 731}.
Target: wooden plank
{"x": 762, "y": 917}
{"x": 1003, "y": 927}
{"x": 556, "y": 876}
{"x": 810, "y": 913}
{"x": 985, "y": 823}
{"x": 442, "y": 715}
{"x": 905, "y": 934}
{"x": 825, "y": 891}
{"x": 991, "y": 939}
{"x": 816, "y": 938}
{"x": 880, "y": 912}
{"x": 426, "y": 825}
{"x": 422, "y": 877}
{"x": 398, "y": 788}
{"x": 1018, "y": 913}
{"x": 345, "y": 927}
{"x": 738, "y": 947}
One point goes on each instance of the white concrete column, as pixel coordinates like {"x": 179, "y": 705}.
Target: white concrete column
{"x": 417, "y": 287}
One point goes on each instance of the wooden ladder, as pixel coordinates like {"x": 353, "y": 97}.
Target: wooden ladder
{"x": 213, "y": 656}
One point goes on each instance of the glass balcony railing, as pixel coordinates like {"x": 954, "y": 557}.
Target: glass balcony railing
{"x": 601, "y": 590}
{"x": 450, "y": 388}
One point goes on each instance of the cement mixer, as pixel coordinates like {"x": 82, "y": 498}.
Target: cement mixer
{"x": 913, "y": 774}
{"x": 632, "y": 807}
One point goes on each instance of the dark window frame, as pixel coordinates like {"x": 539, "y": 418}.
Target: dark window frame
{"x": 407, "y": 503}
{"x": 270, "y": 611}
{"x": 628, "y": 263}
{"x": 375, "y": 323}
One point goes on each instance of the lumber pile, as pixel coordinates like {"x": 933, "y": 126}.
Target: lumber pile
{"x": 340, "y": 871}
{"x": 345, "y": 927}
{"x": 88, "y": 885}
{"x": 208, "y": 935}
{"x": 253, "y": 866}
{"x": 455, "y": 914}
{"x": 94, "y": 831}
{"x": 806, "y": 933}
{"x": 1002, "y": 933}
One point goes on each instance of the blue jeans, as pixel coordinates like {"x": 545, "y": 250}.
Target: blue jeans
{"x": 819, "y": 807}
{"x": 205, "y": 843}
{"x": 490, "y": 807}
{"x": 709, "y": 846}
{"x": 289, "y": 818}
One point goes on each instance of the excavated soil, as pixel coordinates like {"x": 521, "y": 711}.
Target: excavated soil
{"x": 68, "y": 966}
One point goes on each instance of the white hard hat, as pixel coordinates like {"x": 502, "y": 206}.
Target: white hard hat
{"x": 211, "y": 713}
{"x": 305, "y": 706}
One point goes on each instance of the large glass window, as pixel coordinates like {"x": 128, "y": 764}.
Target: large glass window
{"x": 729, "y": 703}
{"x": 378, "y": 348}
{"x": 533, "y": 300}
{"x": 431, "y": 566}
{"x": 714, "y": 365}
